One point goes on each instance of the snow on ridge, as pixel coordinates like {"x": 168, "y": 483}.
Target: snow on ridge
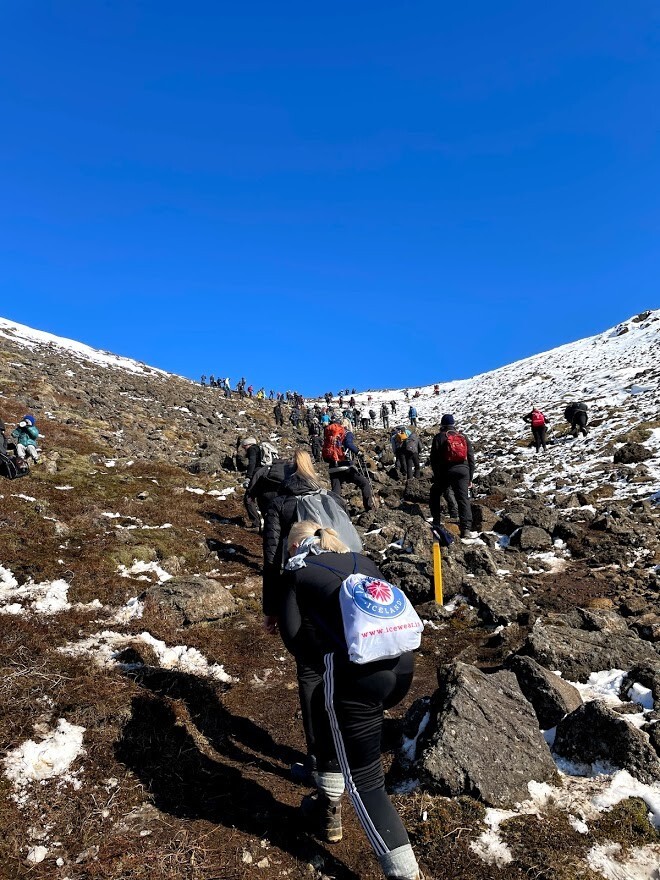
{"x": 27, "y": 337}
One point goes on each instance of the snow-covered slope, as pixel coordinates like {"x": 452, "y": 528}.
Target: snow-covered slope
{"x": 617, "y": 373}
{"x": 26, "y": 337}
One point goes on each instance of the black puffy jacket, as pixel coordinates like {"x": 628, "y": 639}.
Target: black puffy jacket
{"x": 280, "y": 516}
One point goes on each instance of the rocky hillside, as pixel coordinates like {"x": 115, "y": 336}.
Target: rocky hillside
{"x": 147, "y": 722}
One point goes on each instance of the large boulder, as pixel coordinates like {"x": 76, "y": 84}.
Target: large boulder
{"x": 413, "y": 574}
{"x": 632, "y": 453}
{"x": 497, "y": 603}
{"x": 595, "y": 733}
{"x": 531, "y": 538}
{"x": 482, "y": 739}
{"x": 648, "y": 676}
{"x": 576, "y": 653}
{"x": 551, "y": 696}
{"x": 194, "y": 599}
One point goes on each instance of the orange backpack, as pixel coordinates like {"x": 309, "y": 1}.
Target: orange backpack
{"x": 333, "y": 444}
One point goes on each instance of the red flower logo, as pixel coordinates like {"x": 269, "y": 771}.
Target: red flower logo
{"x": 379, "y": 591}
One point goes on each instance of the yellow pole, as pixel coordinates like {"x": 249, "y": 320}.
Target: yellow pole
{"x": 437, "y": 572}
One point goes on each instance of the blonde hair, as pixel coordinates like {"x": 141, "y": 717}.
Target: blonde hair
{"x": 328, "y": 538}
{"x": 305, "y": 467}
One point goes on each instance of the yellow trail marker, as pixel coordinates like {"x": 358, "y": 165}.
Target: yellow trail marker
{"x": 437, "y": 572}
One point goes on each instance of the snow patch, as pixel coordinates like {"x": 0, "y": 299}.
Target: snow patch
{"x": 40, "y": 761}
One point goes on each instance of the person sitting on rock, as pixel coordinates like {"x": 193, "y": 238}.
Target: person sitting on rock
{"x": 25, "y": 436}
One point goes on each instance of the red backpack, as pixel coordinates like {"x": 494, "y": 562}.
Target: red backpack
{"x": 538, "y": 419}
{"x": 456, "y": 450}
{"x": 333, "y": 444}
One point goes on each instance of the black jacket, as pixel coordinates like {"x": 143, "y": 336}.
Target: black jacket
{"x": 439, "y": 463}
{"x": 280, "y": 516}
{"x": 413, "y": 444}
{"x": 307, "y": 602}
{"x": 266, "y": 483}
{"x": 253, "y": 455}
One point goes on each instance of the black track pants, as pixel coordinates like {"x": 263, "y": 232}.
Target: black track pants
{"x": 457, "y": 479}
{"x": 347, "y": 736}
{"x": 338, "y": 478}
{"x": 412, "y": 464}
{"x": 539, "y": 437}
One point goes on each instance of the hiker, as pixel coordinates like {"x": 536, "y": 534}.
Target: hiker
{"x": 372, "y": 416}
{"x": 393, "y": 406}
{"x": 280, "y": 516}
{"x": 347, "y": 699}
{"x": 325, "y": 418}
{"x": 411, "y": 451}
{"x": 364, "y": 421}
{"x": 294, "y": 418}
{"x": 316, "y": 446}
{"x": 25, "y": 436}
{"x": 313, "y": 427}
{"x": 539, "y": 430}
{"x": 412, "y": 416}
{"x": 351, "y": 403}
{"x": 385, "y": 416}
{"x": 338, "y": 448}
{"x": 249, "y": 448}
{"x": 577, "y": 415}
{"x": 261, "y": 394}
{"x": 3, "y": 437}
{"x": 263, "y": 489}
{"x": 203, "y": 381}
{"x": 436, "y": 390}
{"x": 452, "y": 461}
{"x": 398, "y": 443}
{"x": 278, "y": 413}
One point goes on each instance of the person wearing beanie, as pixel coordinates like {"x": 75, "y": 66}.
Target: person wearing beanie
{"x": 25, "y": 436}
{"x": 452, "y": 462}
{"x": 250, "y": 449}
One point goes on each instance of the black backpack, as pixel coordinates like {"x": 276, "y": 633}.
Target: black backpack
{"x": 12, "y": 468}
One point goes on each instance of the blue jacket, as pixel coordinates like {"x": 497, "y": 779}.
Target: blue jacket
{"x": 26, "y": 436}
{"x": 412, "y": 413}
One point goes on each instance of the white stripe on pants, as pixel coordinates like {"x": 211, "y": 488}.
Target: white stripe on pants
{"x": 378, "y": 844}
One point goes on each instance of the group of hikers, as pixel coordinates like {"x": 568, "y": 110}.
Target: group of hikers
{"x": 19, "y": 447}
{"x": 243, "y": 390}
{"x": 313, "y": 561}
{"x": 576, "y": 414}
{"x": 311, "y": 555}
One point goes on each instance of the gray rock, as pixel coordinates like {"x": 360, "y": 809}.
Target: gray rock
{"x": 195, "y": 598}
{"x": 482, "y": 739}
{"x": 478, "y": 561}
{"x": 602, "y": 620}
{"x": 648, "y": 675}
{"x": 413, "y": 574}
{"x": 595, "y": 733}
{"x": 531, "y": 538}
{"x": 576, "y": 653}
{"x": 497, "y": 603}
{"x": 550, "y": 695}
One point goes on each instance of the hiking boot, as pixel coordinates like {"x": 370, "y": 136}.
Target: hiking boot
{"x": 323, "y": 816}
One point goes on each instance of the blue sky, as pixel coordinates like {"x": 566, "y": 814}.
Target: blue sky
{"x": 372, "y": 195}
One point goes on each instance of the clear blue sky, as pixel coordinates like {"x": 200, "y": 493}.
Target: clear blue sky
{"x": 364, "y": 194}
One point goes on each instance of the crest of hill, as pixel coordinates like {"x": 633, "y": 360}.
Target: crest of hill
{"x": 141, "y": 411}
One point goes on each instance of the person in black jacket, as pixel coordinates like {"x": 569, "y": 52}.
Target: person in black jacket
{"x": 446, "y": 473}
{"x": 340, "y": 467}
{"x": 411, "y": 450}
{"x": 539, "y": 427}
{"x": 348, "y": 699}
{"x": 577, "y": 415}
{"x": 249, "y": 449}
{"x": 279, "y": 415}
{"x": 263, "y": 489}
{"x": 280, "y": 516}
